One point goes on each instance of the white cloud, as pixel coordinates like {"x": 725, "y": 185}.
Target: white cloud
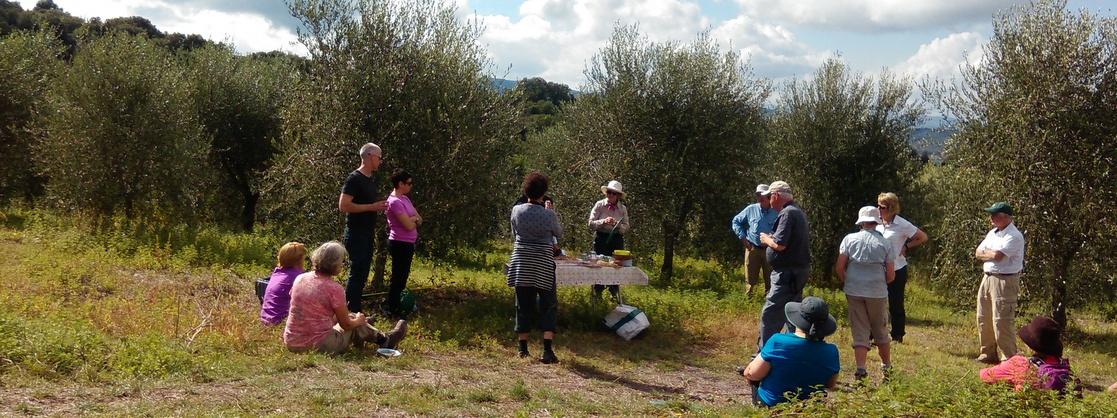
{"x": 772, "y": 50}
{"x": 248, "y": 32}
{"x": 555, "y": 39}
{"x": 942, "y": 57}
{"x": 875, "y": 15}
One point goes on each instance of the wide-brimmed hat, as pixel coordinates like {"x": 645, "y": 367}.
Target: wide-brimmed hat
{"x": 762, "y": 189}
{"x": 1043, "y": 335}
{"x": 614, "y": 186}
{"x": 1000, "y": 207}
{"x": 868, "y": 214}
{"x": 811, "y": 315}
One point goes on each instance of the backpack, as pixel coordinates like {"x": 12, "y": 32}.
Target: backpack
{"x": 1056, "y": 376}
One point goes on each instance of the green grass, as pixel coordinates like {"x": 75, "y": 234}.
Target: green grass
{"x": 131, "y": 320}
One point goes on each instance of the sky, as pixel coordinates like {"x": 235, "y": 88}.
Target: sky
{"x": 555, "y": 39}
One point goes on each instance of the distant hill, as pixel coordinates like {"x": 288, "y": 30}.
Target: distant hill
{"x": 503, "y": 85}
{"x": 931, "y": 141}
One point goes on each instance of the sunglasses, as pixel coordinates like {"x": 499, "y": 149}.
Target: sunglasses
{"x": 612, "y": 193}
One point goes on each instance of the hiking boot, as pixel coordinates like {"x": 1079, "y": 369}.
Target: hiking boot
{"x": 395, "y": 335}
{"x": 548, "y": 357}
{"x": 860, "y": 375}
{"x": 524, "y": 354}
{"x": 886, "y": 371}
{"x": 987, "y": 359}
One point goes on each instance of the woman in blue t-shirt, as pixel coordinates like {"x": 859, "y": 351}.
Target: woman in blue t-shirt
{"x": 793, "y": 366}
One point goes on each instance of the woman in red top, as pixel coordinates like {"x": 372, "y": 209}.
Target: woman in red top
{"x": 1045, "y": 369}
{"x": 319, "y": 319}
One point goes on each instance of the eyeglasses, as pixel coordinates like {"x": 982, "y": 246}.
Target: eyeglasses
{"x": 882, "y": 207}
{"x": 612, "y": 193}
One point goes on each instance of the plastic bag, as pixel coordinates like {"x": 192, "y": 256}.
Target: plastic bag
{"x": 627, "y": 321}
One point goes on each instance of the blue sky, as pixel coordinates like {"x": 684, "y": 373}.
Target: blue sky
{"x": 555, "y": 38}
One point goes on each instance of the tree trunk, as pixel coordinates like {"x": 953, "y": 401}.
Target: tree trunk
{"x": 668, "y": 267}
{"x": 380, "y": 261}
{"x": 248, "y": 214}
{"x": 1059, "y": 292}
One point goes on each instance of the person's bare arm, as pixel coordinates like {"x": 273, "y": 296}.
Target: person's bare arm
{"x": 347, "y": 321}
{"x": 840, "y": 267}
{"x": 988, "y": 255}
{"x": 758, "y": 369}
{"x": 768, "y": 240}
{"x": 409, "y": 222}
{"x": 345, "y": 205}
{"x": 833, "y": 382}
{"x": 889, "y": 271}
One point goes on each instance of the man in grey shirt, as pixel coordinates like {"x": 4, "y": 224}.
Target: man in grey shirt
{"x": 790, "y": 256}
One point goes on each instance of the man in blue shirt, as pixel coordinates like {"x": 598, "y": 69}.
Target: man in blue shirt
{"x": 753, "y": 220}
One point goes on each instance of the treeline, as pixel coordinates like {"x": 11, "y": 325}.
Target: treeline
{"x": 122, "y": 123}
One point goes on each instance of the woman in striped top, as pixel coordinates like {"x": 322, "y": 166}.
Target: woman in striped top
{"x": 532, "y": 268}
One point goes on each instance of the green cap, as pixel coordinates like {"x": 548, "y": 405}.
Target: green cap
{"x": 1000, "y": 207}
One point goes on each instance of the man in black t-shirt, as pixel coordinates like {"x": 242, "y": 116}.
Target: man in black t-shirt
{"x": 360, "y": 202}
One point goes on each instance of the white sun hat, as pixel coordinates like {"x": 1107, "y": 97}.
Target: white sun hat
{"x": 868, "y": 214}
{"x": 762, "y": 189}
{"x": 614, "y": 186}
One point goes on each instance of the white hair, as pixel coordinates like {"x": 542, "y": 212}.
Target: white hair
{"x": 370, "y": 149}
{"x": 329, "y": 257}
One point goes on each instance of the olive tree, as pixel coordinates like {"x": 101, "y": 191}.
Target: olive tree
{"x": 237, "y": 100}
{"x": 1037, "y": 120}
{"x": 413, "y": 79}
{"x": 120, "y": 134}
{"x": 28, "y": 61}
{"x": 840, "y": 139}
{"x": 679, "y": 125}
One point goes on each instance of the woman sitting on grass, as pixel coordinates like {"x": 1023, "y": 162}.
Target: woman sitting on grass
{"x": 277, "y": 297}
{"x": 793, "y": 366}
{"x": 1045, "y": 369}
{"x": 319, "y": 317}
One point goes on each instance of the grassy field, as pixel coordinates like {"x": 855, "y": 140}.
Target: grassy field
{"x": 135, "y": 322}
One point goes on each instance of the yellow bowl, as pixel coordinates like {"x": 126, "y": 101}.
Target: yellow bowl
{"x": 622, "y": 253}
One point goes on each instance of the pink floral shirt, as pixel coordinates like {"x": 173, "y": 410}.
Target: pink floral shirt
{"x": 313, "y": 302}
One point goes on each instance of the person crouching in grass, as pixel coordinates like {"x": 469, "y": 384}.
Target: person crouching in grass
{"x": 319, "y": 318}
{"x": 277, "y": 297}
{"x": 1045, "y": 369}
{"x": 795, "y": 365}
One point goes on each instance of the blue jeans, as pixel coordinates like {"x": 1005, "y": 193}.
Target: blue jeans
{"x": 359, "y": 246}
{"x": 786, "y": 286}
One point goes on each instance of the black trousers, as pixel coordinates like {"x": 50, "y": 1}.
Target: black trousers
{"x": 402, "y": 253}
{"x": 604, "y": 245}
{"x": 535, "y": 306}
{"x": 896, "y": 303}
{"x": 359, "y": 247}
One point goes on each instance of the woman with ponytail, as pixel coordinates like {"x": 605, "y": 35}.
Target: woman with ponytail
{"x": 793, "y": 366}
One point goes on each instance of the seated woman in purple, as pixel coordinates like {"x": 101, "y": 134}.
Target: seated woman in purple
{"x": 277, "y": 298}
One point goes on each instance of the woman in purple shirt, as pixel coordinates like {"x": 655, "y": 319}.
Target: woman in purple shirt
{"x": 403, "y": 231}
{"x": 277, "y": 297}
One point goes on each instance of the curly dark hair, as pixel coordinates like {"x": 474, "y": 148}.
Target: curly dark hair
{"x": 399, "y": 176}
{"x": 535, "y": 185}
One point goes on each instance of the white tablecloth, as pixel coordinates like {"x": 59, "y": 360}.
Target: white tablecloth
{"x": 573, "y": 273}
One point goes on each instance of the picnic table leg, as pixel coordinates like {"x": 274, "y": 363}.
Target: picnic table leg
{"x": 620, "y": 299}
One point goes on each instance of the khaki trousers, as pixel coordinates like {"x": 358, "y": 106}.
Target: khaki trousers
{"x": 756, "y": 262}
{"x": 996, "y": 314}
{"x": 339, "y": 340}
